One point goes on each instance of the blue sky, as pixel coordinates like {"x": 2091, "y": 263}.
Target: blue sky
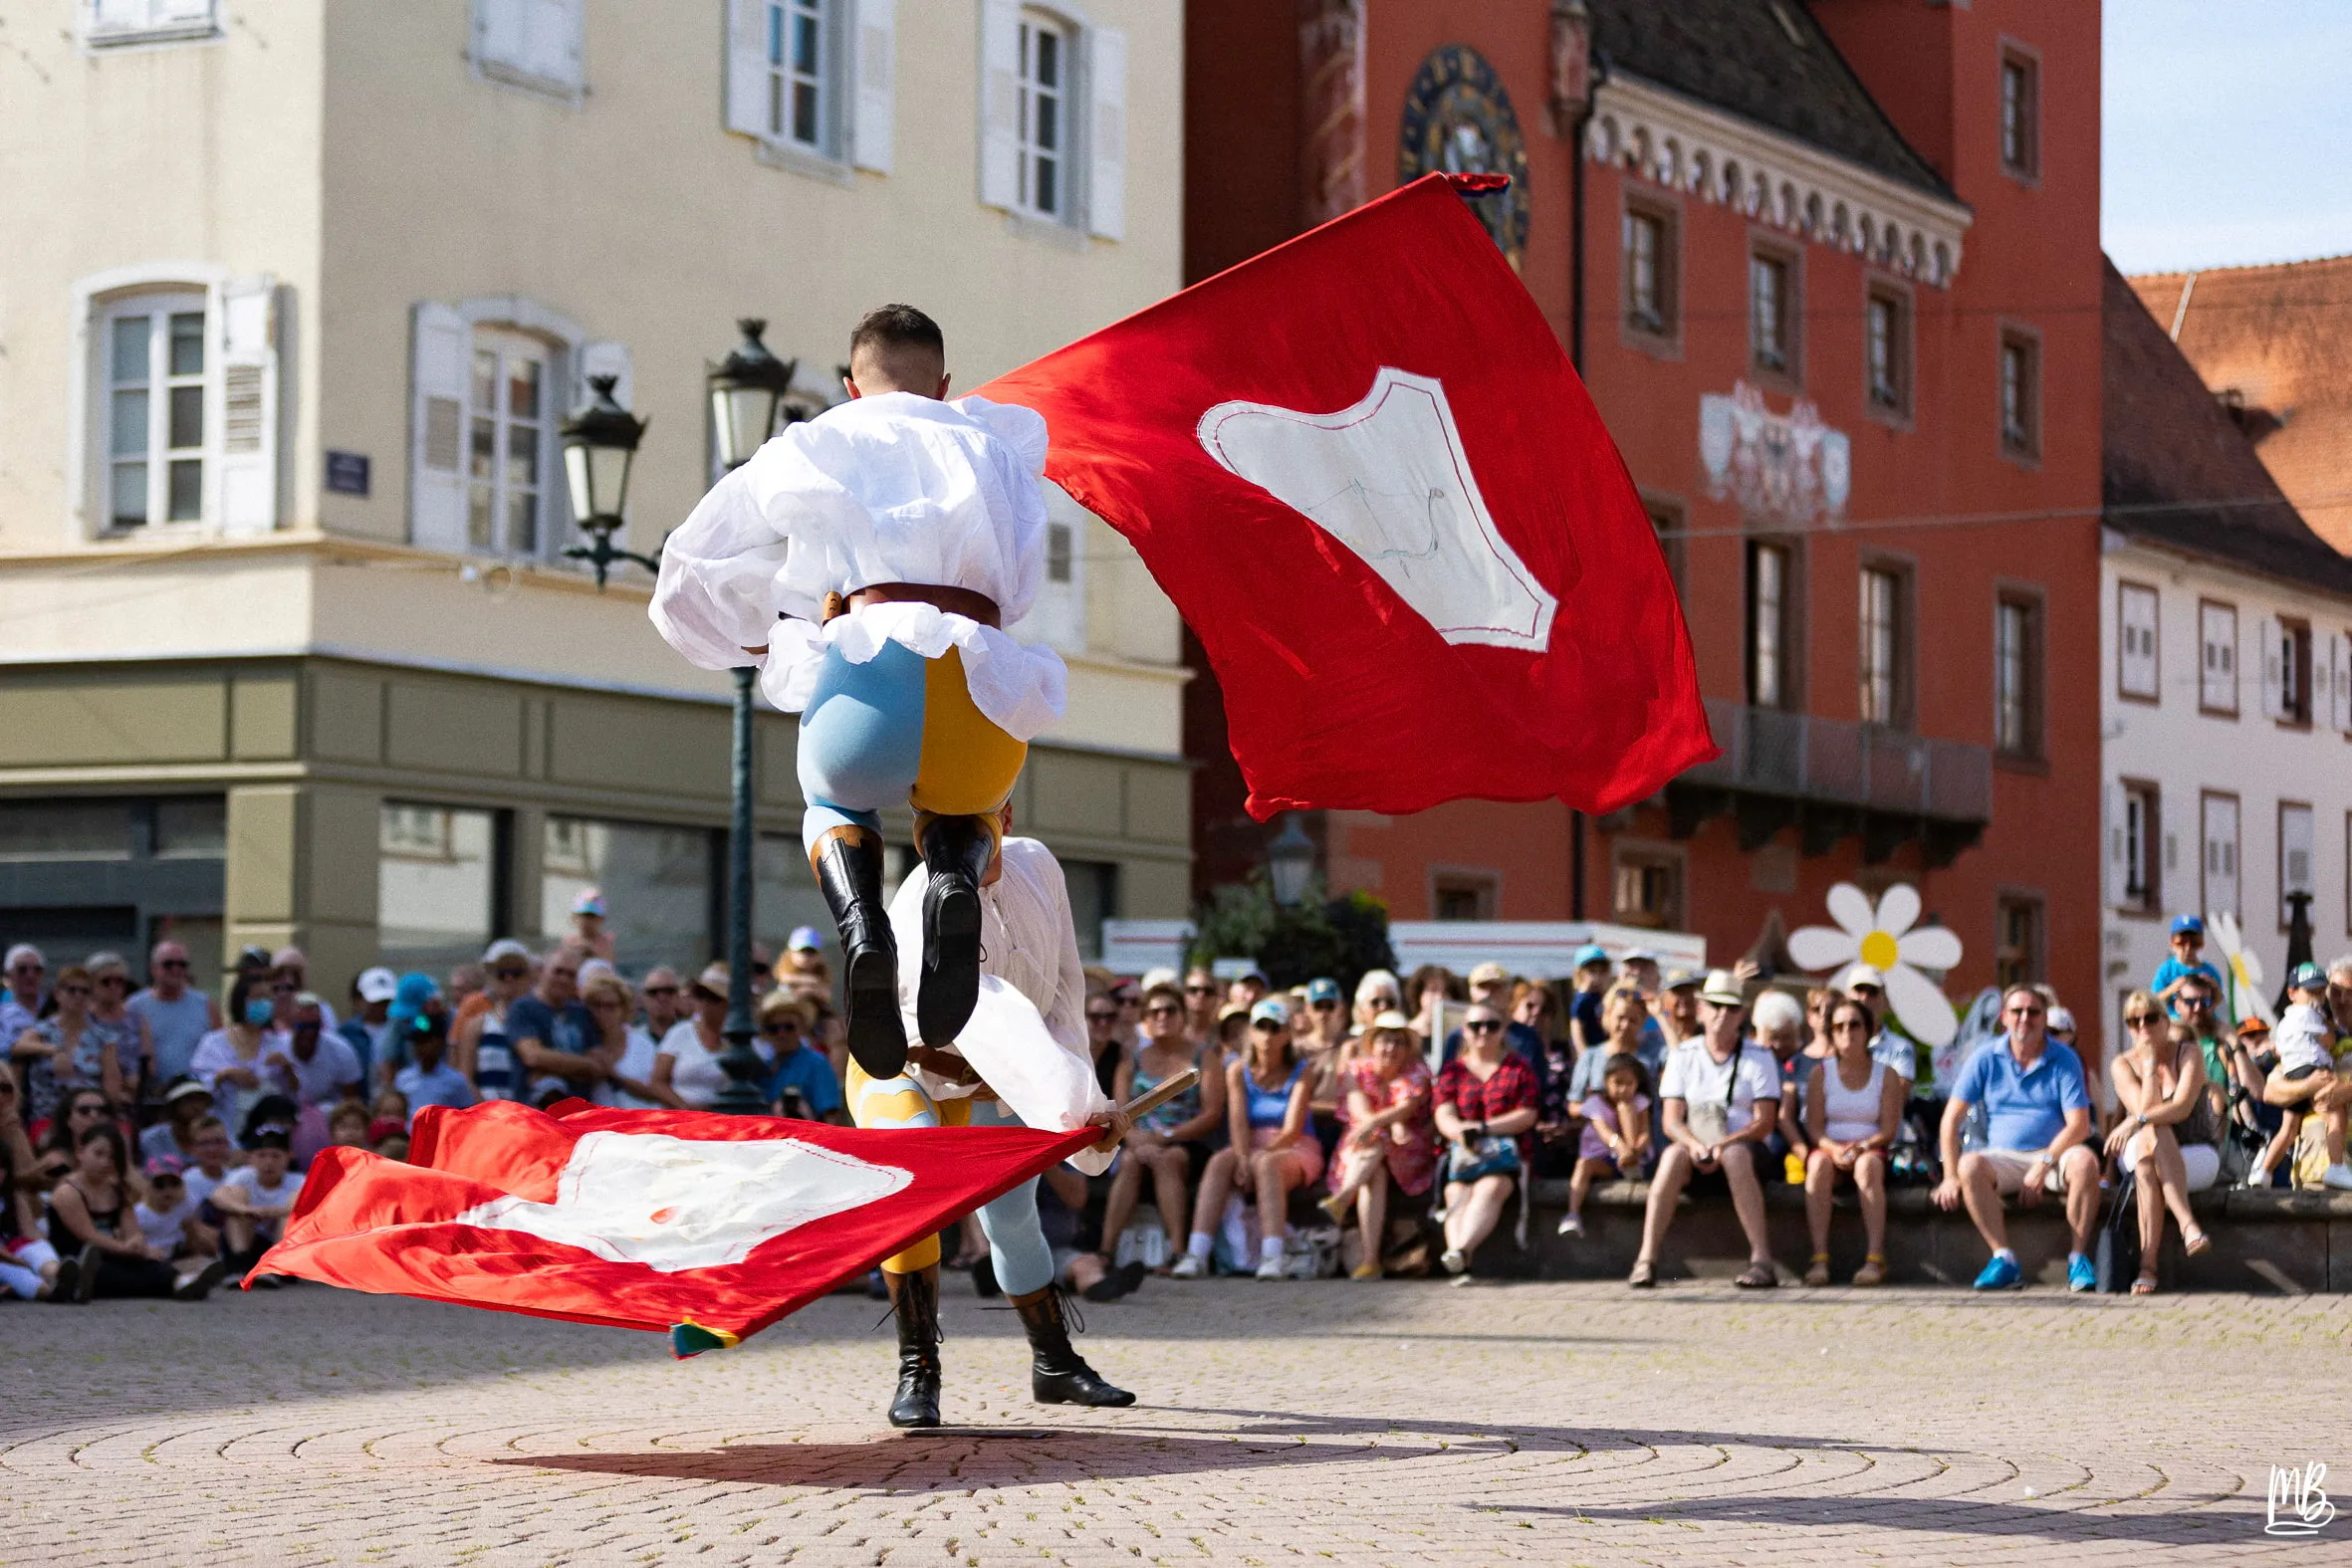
{"x": 2228, "y": 132}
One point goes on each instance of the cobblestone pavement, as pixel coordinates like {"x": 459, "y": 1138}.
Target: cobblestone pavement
{"x": 1400, "y": 1423}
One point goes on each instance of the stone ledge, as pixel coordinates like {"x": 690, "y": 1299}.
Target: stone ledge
{"x": 2243, "y": 1207}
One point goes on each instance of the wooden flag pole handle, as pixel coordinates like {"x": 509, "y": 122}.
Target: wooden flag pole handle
{"x": 1153, "y": 1098}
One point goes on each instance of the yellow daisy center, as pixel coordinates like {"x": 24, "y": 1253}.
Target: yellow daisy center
{"x": 1879, "y": 951}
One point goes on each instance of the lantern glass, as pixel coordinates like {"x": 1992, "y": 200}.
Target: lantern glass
{"x": 1289, "y": 862}
{"x": 599, "y": 477}
{"x": 746, "y": 417}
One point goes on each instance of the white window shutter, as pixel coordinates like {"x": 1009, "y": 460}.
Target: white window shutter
{"x": 2119, "y": 864}
{"x": 553, "y": 41}
{"x": 181, "y": 13}
{"x": 1106, "y": 140}
{"x": 2340, "y": 711}
{"x": 247, "y": 451}
{"x": 2270, "y": 670}
{"x": 500, "y": 32}
{"x": 1000, "y": 102}
{"x": 747, "y": 66}
{"x": 873, "y": 83}
{"x": 439, "y": 355}
{"x": 606, "y": 359}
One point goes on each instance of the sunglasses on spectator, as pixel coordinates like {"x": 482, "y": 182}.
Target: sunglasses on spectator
{"x": 1163, "y": 1010}
{"x": 2141, "y": 1020}
{"x": 1324, "y": 1007}
{"x": 174, "y": 964}
{"x": 1094, "y": 1016}
{"x": 661, "y": 991}
{"x": 1200, "y": 991}
{"x": 1482, "y": 1026}
{"x": 2025, "y": 1012}
{"x": 510, "y": 972}
{"x": 777, "y": 1027}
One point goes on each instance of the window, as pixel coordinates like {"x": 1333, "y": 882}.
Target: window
{"x": 108, "y": 23}
{"x": 155, "y": 407}
{"x": 1887, "y": 349}
{"x": 1058, "y": 553}
{"x": 657, "y": 884}
{"x": 1883, "y": 646}
{"x": 1646, "y": 885}
{"x": 813, "y": 82}
{"x": 1772, "y": 327}
{"x": 2218, "y": 831}
{"x": 2016, "y": 940}
{"x": 436, "y": 884}
{"x": 798, "y": 85}
{"x": 1769, "y": 625}
{"x": 1094, "y": 888}
{"x": 2286, "y": 670}
{"x": 2016, "y": 676}
{"x": 2216, "y": 634}
{"x": 2021, "y": 394}
{"x": 1651, "y": 268}
{"x": 2136, "y": 671}
{"x": 2298, "y": 847}
{"x": 1044, "y": 117}
{"x": 2331, "y": 702}
{"x": 507, "y": 443}
{"x": 535, "y": 43}
{"x": 2020, "y": 114}
{"x": 1463, "y": 895}
{"x": 2133, "y": 841}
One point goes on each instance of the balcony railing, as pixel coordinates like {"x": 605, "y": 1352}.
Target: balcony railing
{"x": 1833, "y": 777}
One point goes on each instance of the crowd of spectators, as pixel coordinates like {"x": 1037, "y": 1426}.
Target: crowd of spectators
{"x": 154, "y": 1140}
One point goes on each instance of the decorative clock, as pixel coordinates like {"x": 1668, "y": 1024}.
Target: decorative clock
{"x": 1459, "y": 120}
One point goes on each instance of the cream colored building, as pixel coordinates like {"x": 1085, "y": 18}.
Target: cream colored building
{"x": 294, "y": 295}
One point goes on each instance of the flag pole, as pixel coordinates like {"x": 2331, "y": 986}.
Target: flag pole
{"x": 1152, "y": 1099}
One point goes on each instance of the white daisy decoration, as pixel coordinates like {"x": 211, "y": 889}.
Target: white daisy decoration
{"x": 1887, "y": 940}
{"x": 2241, "y": 966}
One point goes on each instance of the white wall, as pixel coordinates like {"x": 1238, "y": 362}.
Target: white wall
{"x": 2187, "y": 751}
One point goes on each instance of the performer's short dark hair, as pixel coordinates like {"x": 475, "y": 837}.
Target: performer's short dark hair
{"x": 889, "y": 329}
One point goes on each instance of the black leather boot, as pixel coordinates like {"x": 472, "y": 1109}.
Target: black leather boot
{"x": 915, "y": 1299}
{"x": 848, "y": 866}
{"x": 1057, "y": 1374}
{"x": 956, "y": 852}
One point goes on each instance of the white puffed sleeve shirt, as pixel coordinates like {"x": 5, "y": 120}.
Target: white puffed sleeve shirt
{"x": 893, "y": 488}
{"x": 1028, "y": 1034}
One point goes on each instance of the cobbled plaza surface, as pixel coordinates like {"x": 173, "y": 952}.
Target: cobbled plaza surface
{"x": 1294, "y": 1423}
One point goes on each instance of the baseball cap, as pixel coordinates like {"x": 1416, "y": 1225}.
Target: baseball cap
{"x": 1323, "y": 989}
{"x": 1863, "y": 975}
{"x": 269, "y": 1137}
{"x": 1392, "y": 1020}
{"x": 505, "y": 948}
{"x": 1639, "y": 956}
{"x": 1720, "y": 989}
{"x": 2059, "y": 1019}
{"x": 1160, "y": 975}
{"x": 1589, "y": 954}
{"x": 2188, "y": 926}
{"x": 1488, "y": 973}
{"x": 164, "y": 1165}
{"x": 1271, "y": 1009}
{"x": 181, "y": 1088}
{"x": 2307, "y": 977}
{"x": 1682, "y": 980}
{"x": 378, "y": 985}
{"x": 805, "y": 939}
{"x": 587, "y": 901}
{"x": 1252, "y": 972}
{"x": 411, "y": 994}
{"x": 714, "y": 978}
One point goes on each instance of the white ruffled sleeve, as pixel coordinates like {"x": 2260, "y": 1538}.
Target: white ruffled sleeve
{"x": 1022, "y": 430}
{"x": 716, "y": 594}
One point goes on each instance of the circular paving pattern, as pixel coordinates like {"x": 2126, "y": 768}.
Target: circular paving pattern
{"x": 1282, "y": 1424}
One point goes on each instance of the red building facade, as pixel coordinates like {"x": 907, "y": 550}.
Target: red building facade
{"x": 1838, "y": 302}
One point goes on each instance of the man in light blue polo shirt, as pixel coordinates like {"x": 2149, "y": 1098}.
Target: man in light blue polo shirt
{"x": 2038, "y": 1110}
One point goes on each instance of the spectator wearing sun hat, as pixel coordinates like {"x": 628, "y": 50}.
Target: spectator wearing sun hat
{"x": 185, "y": 1103}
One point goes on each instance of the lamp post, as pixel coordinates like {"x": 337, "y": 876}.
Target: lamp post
{"x": 747, "y": 391}
{"x": 1290, "y": 861}
{"x": 599, "y": 443}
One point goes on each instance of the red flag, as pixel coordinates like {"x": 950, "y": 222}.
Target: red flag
{"x": 1369, "y": 477}
{"x": 708, "y": 1227}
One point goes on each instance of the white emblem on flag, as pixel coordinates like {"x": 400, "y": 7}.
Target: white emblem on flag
{"x": 1388, "y": 479}
{"x": 673, "y": 1204}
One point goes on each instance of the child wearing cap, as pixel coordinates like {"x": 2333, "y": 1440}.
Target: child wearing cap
{"x": 167, "y": 1215}
{"x": 2188, "y": 940}
{"x": 2305, "y": 1081}
{"x": 256, "y": 1199}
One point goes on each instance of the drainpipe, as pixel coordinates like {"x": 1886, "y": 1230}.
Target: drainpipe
{"x": 1574, "y": 75}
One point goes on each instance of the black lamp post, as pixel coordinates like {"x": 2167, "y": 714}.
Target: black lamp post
{"x": 599, "y": 443}
{"x": 1290, "y": 861}
{"x": 746, "y": 391}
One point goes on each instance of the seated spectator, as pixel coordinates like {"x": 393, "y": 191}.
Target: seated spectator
{"x": 1674, "y": 1015}
{"x": 346, "y": 1126}
{"x": 1378, "y": 992}
{"x": 185, "y": 1103}
{"x": 429, "y": 1079}
{"x": 214, "y": 1157}
{"x": 555, "y": 1042}
{"x": 1272, "y": 1153}
{"x": 1202, "y": 999}
{"x": 1485, "y": 1101}
{"x": 290, "y": 976}
{"x": 2038, "y": 1120}
{"x": 23, "y": 1001}
{"x": 317, "y": 1070}
{"x": 63, "y": 1052}
{"x": 1853, "y": 1108}
{"x": 1249, "y": 988}
{"x": 30, "y": 1268}
{"x": 1107, "y": 1037}
{"x": 1614, "y": 1136}
{"x": 392, "y": 1146}
{"x": 633, "y": 1051}
{"x": 1778, "y": 1022}
{"x": 1721, "y": 1100}
{"x": 2169, "y": 1139}
{"x": 1894, "y": 1047}
{"x": 83, "y": 1109}
{"x": 371, "y": 1028}
{"x": 91, "y": 1212}
{"x": 1592, "y": 972}
{"x": 686, "y": 1070}
{"x": 803, "y": 1083}
{"x": 2188, "y": 945}
{"x": 466, "y": 981}
{"x": 1391, "y": 1136}
{"x": 1624, "y": 1018}
{"x": 2193, "y": 1008}
{"x": 479, "y": 1043}
{"x": 167, "y": 1217}
{"x": 255, "y": 1201}
{"x": 120, "y": 1033}
{"x": 228, "y": 1061}
{"x": 2305, "y": 1080}
{"x": 1326, "y": 1020}
{"x": 1170, "y": 1145}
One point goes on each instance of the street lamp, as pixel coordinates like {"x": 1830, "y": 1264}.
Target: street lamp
{"x": 599, "y": 443}
{"x": 1290, "y": 861}
{"x": 746, "y": 391}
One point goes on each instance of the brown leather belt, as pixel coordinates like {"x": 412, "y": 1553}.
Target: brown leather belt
{"x": 955, "y": 601}
{"x": 956, "y": 1071}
